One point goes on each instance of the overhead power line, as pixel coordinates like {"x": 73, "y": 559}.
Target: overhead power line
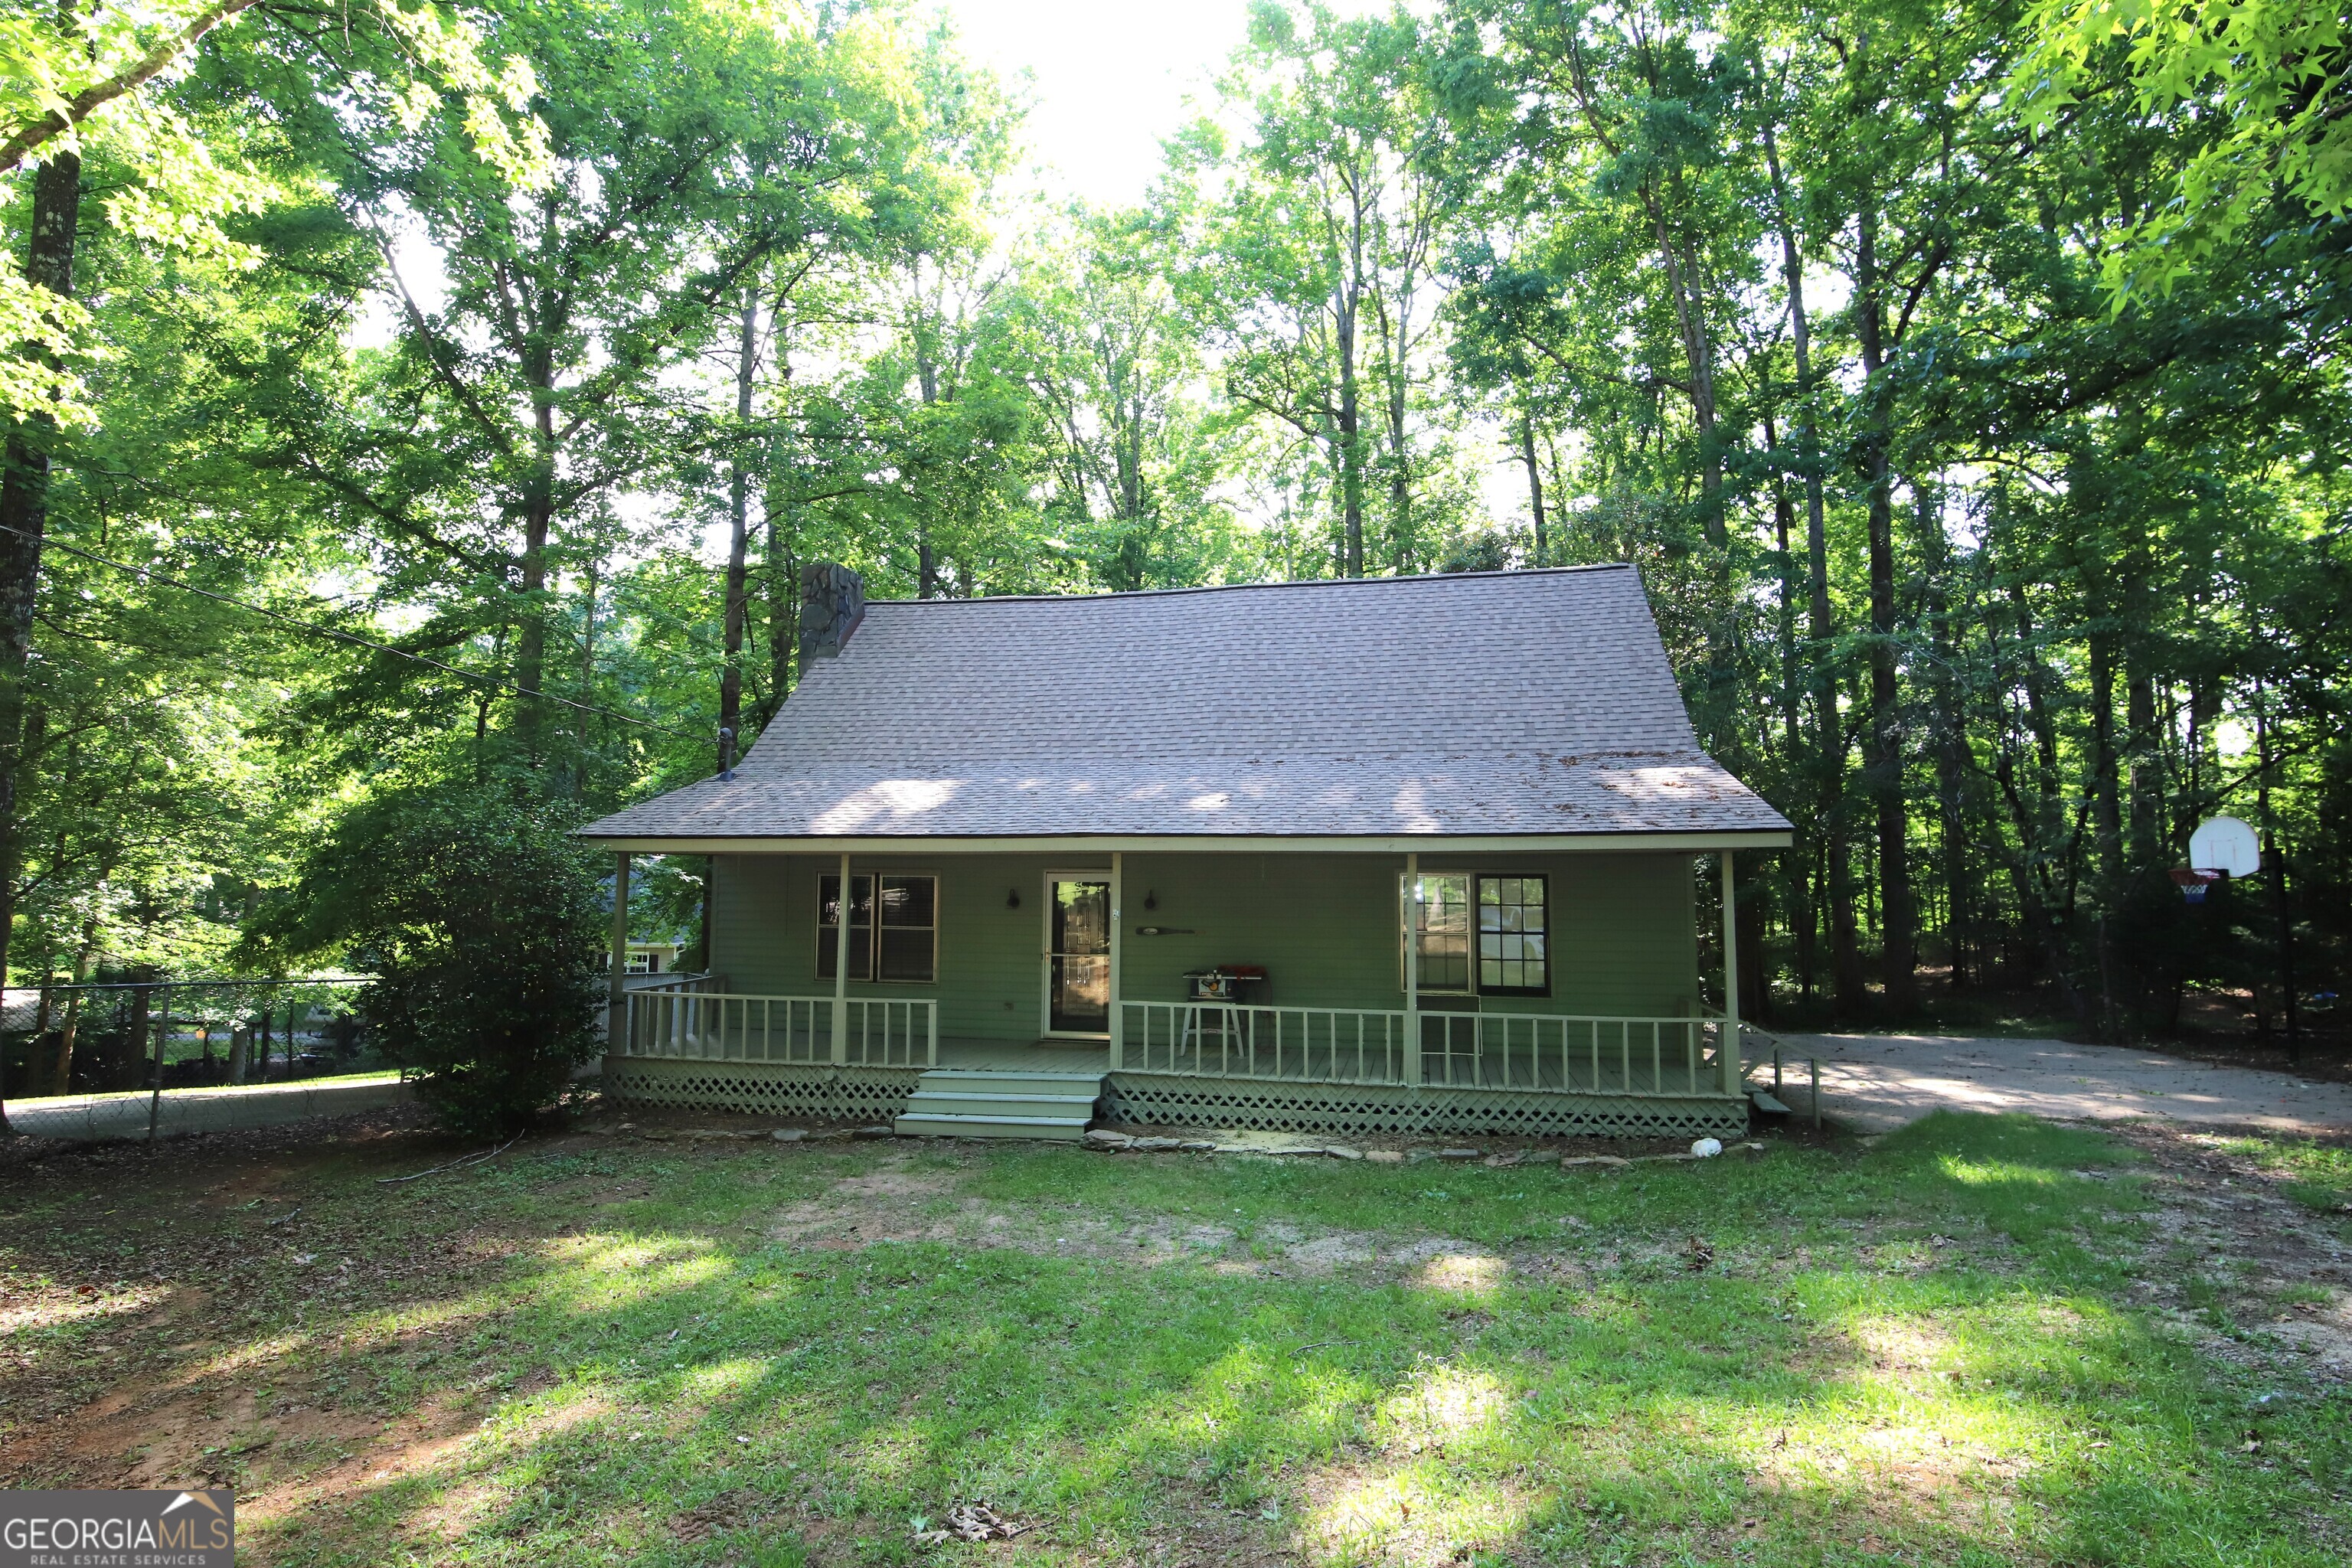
{"x": 150, "y": 575}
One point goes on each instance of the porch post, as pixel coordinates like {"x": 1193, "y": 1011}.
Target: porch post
{"x": 1412, "y": 970}
{"x": 845, "y": 908}
{"x": 616, "y": 1017}
{"x": 1118, "y": 1030}
{"x": 1730, "y": 985}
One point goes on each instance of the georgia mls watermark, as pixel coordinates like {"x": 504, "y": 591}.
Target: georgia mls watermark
{"x": 158, "y": 1529}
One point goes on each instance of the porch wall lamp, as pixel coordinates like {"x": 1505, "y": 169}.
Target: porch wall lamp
{"x": 1150, "y": 900}
{"x": 1013, "y": 898}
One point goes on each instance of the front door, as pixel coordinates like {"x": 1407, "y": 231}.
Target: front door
{"x": 1077, "y": 955}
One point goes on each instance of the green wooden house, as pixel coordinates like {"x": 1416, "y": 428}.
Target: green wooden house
{"x": 1394, "y": 855}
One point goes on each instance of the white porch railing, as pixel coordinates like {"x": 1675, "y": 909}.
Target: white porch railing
{"x": 1538, "y": 1053}
{"x": 718, "y": 1025}
{"x": 1319, "y": 1045}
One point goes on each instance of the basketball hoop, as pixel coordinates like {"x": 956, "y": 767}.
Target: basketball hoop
{"x": 2193, "y": 883}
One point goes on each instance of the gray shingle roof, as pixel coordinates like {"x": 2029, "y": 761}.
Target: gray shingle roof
{"x": 1489, "y": 703}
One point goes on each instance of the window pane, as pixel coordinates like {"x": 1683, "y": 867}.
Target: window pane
{"x": 906, "y": 955}
{"x": 861, "y": 924}
{"x": 1444, "y": 953}
{"x": 1082, "y": 918}
{"x": 908, "y": 900}
{"x": 828, "y": 900}
{"x": 861, "y": 952}
{"x": 1511, "y": 950}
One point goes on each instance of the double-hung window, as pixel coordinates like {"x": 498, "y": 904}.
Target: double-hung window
{"x": 1484, "y": 935}
{"x": 903, "y": 946}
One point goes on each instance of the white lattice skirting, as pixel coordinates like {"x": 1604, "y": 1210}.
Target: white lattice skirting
{"x": 879, "y": 1094}
{"x": 1344, "y": 1108}
{"x": 801, "y": 1093}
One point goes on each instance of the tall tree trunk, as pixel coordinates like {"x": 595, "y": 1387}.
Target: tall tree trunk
{"x": 2277, "y": 862}
{"x": 2106, "y": 803}
{"x": 539, "y": 520}
{"x": 1950, "y": 741}
{"x": 2144, "y": 759}
{"x": 926, "y": 381}
{"x": 738, "y": 536}
{"x": 779, "y": 553}
{"x": 587, "y": 689}
{"x": 1846, "y": 949}
{"x": 1882, "y": 741}
{"x": 1698, "y": 355}
{"x": 1535, "y": 485}
{"x": 1352, "y": 452}
{"x": 61, "y": 1070}
{"x": 1800, "y": 900}
{"x": 23, "y": 516}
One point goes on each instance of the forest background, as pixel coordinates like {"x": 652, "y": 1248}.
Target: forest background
{"x": 1966, "y": 379}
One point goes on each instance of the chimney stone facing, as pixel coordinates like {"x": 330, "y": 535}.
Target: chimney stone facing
{"x": 833, "y": 601}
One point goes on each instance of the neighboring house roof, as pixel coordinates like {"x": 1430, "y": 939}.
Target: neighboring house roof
{"x": 1501, "y": 704}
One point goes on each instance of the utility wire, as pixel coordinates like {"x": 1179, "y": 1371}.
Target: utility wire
{"x": 316, "y": 630}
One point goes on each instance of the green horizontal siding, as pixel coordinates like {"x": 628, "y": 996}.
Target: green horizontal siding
{"x": 1323, "y": 927}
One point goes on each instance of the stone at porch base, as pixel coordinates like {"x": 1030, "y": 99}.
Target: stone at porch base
{"x": 978, "y": 1102}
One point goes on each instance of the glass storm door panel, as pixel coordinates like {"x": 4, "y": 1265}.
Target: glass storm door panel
{"x": 1078, "y": 982}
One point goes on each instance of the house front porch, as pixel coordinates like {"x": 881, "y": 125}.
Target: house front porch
{"x": 1193, "y": 1064}
{"x": 1546, "y": 988}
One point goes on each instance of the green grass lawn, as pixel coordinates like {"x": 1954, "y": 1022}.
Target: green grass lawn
{"x": 1976, "y": 1342}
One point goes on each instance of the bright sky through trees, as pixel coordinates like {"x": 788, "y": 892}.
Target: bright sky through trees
{"x": 1108, "y": 82}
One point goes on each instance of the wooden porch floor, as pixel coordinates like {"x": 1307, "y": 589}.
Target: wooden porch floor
{"x": 1017, "y": 1055}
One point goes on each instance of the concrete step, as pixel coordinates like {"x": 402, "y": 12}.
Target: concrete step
{"x": 959, "y": 1102}
{"x": 1060, "y": 1129}
{"x": 968, "y": 1102}
{"x": 974, "y": 1080}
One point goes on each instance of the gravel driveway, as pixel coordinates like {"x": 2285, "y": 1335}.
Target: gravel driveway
{"x": 1874, "y": 1083}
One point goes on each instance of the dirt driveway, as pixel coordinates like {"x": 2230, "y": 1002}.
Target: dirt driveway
{"x": 1874, "y": 1083}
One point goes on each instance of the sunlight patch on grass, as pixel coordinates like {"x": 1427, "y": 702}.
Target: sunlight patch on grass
{"x": 1423, "y": 1514}
{"x": 250, "y": 1355}
{"x": 1906, "y": 1343}
{"x": 1983, "y": 1172}
{"x": 1445, "y": 1405}
{"x": 549, "y": 1415}
{"x": 43, "y": 1306}
{"x": 1474, "y": 1273}
{"x": 607, "y": 1253}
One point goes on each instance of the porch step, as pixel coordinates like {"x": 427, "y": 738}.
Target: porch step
{"x": 966, "y": 1102}
{"x": 1765, "y": 1100}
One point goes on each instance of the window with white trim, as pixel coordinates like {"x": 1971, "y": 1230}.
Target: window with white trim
{"x": 1484, "y": 935}
{"x": 903, "y": 948}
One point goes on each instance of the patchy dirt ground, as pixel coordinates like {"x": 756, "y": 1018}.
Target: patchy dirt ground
{"x": 2238, "y": 1260}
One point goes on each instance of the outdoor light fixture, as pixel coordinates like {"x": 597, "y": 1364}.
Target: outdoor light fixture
{"x": 1012, "y": 898}
{"x": 1150, "y": 900}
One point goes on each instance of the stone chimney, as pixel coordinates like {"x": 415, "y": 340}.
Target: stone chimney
{"x": 833, "y": 601}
